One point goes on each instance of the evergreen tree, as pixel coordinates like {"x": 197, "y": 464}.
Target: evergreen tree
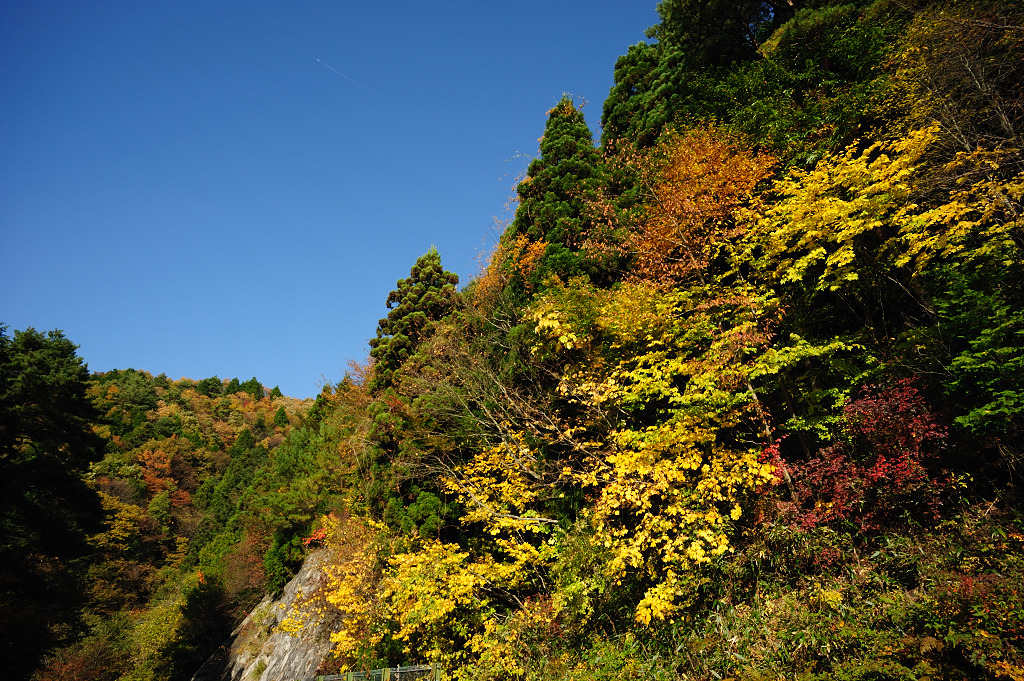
{"x": 253, "y": 387}
{"x": 631, "y": 111}
{"x": 716, "y": 33}
{"x": 797, "y": 77}
{"x": 211, "y": 387}
{"x": 46, "y": 510}
{"x": 280, "y": 418}
{"x": 416, "y": 303}
{"x": 699, "y": 43}
{"x": 553, "y": 197}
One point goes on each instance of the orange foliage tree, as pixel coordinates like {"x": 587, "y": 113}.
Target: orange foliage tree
{"x": 691, "y": 186}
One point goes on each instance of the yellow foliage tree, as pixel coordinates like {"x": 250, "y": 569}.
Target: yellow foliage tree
{"x": 499, "y": 488}
{"x": 434, "y": 598}
{"x": 981, "y": 220}
{"x": 831, "y": 223}
{"x": 684, "y": 457}
{"x": 350, "y": 591}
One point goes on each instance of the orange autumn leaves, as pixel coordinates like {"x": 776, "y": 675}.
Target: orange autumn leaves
{"x": 682, "y": 212}
{"x": 692, "y": 185}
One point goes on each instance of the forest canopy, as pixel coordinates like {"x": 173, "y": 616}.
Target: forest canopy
{"x": 739, "y": 394}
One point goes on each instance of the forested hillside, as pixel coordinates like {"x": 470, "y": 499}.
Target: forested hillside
{"x": 739, "y": 394}
{"x": 141, "y": 516}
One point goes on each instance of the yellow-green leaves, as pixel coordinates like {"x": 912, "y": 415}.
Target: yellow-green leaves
{"x": 831, "y": 222}
{"x": 684, "y": 455}
{"x": 981, "y": 220}
{"x": 498, "y": 487}
{"x": 852, "y": 216}
{"x": 434, "y": 595}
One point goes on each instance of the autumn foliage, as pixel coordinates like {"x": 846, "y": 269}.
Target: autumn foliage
{"x": 885, "y": 470}
{"x": 692, "y": 186}
{"x": 738, "y": 395}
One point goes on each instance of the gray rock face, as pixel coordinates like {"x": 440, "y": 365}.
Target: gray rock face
{"x": 257, "y": 652}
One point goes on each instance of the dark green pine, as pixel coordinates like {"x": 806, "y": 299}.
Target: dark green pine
{"x": 417, "y": 302}
{"x": 553, "y": 198}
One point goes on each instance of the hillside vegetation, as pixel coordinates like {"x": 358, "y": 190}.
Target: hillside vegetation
{"x": 739, "y": 394}
{"x": 141, "y": 515}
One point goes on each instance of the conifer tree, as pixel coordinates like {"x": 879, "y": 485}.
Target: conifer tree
{"x": 773, "y": 70}
{"x": 211, "y": 387}
{"x": 253, "y": 387}
{"x": 416, "y": 303}
{"x": 46, "y": 509}
{"x": 280, "y": 418}
{"x": 553, "y": 196}
{"x": 657, "y": 83}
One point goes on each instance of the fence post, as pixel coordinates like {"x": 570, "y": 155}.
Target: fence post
{"x": 386, "y": 675}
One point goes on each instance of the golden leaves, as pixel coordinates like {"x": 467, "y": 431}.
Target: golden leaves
{"x": 498, "y": 487}
{"x": 676, "y": 370}
{"x": 832, "y": 222}
{"x": 983, "y": 219}
{"x": 854, "y": 216}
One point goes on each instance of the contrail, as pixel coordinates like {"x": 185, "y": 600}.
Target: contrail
{"x": 354, "y": 82}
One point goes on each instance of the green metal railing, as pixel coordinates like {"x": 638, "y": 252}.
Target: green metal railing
{"x": 420, "y": 672}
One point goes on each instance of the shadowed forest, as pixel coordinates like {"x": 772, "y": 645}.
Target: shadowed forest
{"x": 739, "y": 394}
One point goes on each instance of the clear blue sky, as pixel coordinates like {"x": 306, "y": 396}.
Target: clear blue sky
{"x": 185, "y": 189}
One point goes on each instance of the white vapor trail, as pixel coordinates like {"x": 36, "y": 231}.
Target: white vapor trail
{"x": 351, "y": 80}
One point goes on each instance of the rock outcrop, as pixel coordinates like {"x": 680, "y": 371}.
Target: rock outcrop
{"x": 257, "y": 651}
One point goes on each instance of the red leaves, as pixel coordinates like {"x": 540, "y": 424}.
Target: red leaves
{"x": 886, "y": 467}
{"x": 317, "y": 536}
{"x": 895, "y": 422}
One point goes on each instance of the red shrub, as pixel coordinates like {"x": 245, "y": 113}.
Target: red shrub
{"x": 884, "y": 471}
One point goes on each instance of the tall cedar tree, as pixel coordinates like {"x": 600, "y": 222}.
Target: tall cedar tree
{"x": 799, "y": 77}
{"x": 553, "y": 196}
{"x": 46, "y": 509}
{"x": 417, "y": 302}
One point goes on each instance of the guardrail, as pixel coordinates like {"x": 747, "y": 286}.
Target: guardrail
{"x": 420, "y": 672}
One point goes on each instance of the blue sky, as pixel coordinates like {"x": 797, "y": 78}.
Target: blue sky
{"x": 186, "y": 189}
